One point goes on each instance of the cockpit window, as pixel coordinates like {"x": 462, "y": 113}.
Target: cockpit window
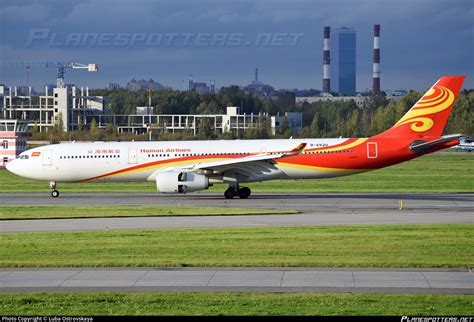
{"x": 24, "y": 157}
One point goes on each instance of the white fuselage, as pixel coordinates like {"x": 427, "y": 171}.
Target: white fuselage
{"x": 140, "y": 161}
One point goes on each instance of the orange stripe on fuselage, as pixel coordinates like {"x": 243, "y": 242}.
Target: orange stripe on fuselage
{"x": 320, "y": 162}
{"x": 350, "y": 143}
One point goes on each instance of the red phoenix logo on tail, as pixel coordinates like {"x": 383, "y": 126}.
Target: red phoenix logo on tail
{"x": 436, "y": 100}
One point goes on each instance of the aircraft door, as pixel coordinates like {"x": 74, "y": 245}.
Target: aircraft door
{"x": 47, "y": 157}
{"x": 372, "y": 150}
{"x": 132, "y": 156}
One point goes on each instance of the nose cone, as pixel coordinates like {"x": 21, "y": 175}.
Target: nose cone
{"x": 12, "y": 166}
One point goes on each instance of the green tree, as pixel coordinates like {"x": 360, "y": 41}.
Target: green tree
{"x": 205, "y": 130}
{"x": 57, "y": 131}
{"x": 461, "y": 119}
{"x": 110, "y": 131}
{"x": 35, "y": 129}
{"x": 94, "y": 131}
{"x": 353, "y": 125}
{"x": 285, "y": 130}
{"x": 285, "y": 102}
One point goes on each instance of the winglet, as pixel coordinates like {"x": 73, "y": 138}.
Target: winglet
{"x": 296, "y": 150}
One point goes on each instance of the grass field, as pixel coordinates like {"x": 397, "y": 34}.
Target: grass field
{"x": 431, "y": 173}
{"x": 233, "y": 304}
{"x": 55, "y": 212}
{"x": 332, "y": 246}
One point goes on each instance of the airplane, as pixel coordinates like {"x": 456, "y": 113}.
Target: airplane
{"x": 188, "y": 166}
{"x": 466, "y": 144}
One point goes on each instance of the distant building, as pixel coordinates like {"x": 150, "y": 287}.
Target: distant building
{"x": 23, "y": 90}
{"x": 13, "y": 136}
{"x": 397, "y": 92}
{"x": 212, "y": 86}
{"x": 294, "y": 119}
{"x": 190, "y": 82}
{"x": 114, "y": 86}
{"x": 345, "y": 60}
{"x": 360, "y": 101}
{"x": 67, "y": 105}
{"x": 232, "y": 121}
{"x": 200, "y": 87}
{"x": 144, "y": 110}
{"x": 259, "y": 88}
{"x": 306, "y": 92}
{"x": 49, "y": 88}
{"x": 135, "y": 85}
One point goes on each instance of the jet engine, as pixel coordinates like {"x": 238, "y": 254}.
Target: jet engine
{"x": 181, "y": 182}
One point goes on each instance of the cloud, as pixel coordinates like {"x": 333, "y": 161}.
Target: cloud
{"x": 20, "y": 12}
{"x": 422, "y": 37}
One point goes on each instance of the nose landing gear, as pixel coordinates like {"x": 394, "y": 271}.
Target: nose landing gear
{"x": 54, "y": 192}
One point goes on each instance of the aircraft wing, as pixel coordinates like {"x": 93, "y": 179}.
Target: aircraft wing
{"x": 246, "y": 166}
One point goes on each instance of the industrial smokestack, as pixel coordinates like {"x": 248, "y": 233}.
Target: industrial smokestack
{"x": 256, "y": 75}
{"x": 376, "y": 68}
{"x": 326, "y": 61}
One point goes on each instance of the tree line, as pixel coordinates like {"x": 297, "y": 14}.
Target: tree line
{"x": 320, "y": 119}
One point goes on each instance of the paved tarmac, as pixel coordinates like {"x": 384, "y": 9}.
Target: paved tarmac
{"x": 239, "y": 280}
{"x": 316, "y": 209}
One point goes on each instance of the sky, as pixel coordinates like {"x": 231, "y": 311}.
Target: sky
{"x": 225, "y": 41}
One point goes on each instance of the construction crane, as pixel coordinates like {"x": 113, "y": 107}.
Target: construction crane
{"x": 61, "y": 66}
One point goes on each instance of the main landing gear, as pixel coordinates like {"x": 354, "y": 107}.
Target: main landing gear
{"x": 54, "y": 192}
{"x": 242, "y": 192}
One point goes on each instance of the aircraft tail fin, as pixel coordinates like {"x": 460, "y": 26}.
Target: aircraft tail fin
{"x": 428, "y": 117}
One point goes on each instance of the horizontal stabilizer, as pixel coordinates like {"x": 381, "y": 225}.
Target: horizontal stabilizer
{"x": 422, "y": 146}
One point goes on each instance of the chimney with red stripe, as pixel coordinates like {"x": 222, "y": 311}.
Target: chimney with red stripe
{"x": 376, "y": 67}
{"x": 326, "y": 61}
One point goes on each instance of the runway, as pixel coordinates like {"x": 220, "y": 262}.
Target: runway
{"x": 403, "y": 281}
{"x": 316, "y": 210}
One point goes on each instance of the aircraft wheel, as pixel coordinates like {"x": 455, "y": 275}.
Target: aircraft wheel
{"x": 244, "y": 193}
{"x": 229, "y": 193}
{"x": 55, "y": 193}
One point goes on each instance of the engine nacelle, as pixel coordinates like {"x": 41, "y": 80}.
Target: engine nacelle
{"x": 181, "y": 182}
